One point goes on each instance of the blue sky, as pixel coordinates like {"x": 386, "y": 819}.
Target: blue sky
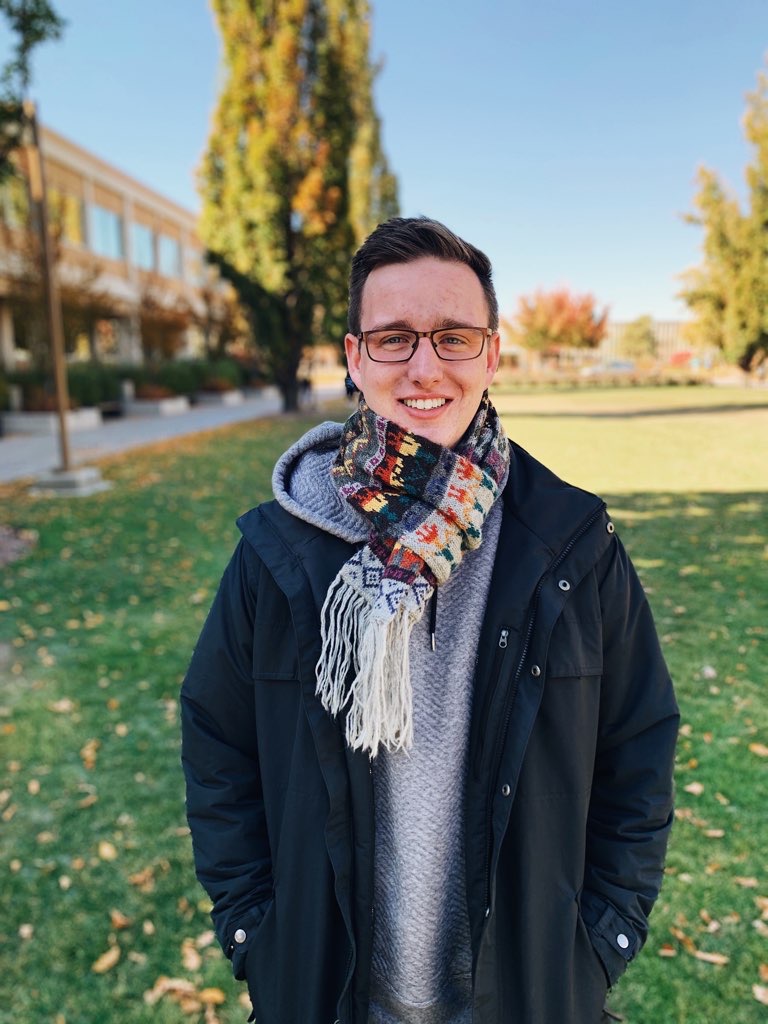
{"x": 561, "y": 137}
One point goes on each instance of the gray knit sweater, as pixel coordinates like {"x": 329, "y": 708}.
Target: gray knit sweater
{"x": 421, "y": 968}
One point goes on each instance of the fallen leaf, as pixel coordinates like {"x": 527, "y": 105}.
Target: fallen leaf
{"x": 714, "y": 833}
{"x": 712, "y": 958}
{"x": 760, "y": 992}
{"x": 175, "y": 987}
{"x": 696, "y": 788}
{"x": 759, "y": 748}
{"x": 685, "y": 941}
{"x": 119, "y": 920}
{"x": 667, "y": 950}
{"x": 763, "y": 972}
{"x": 144, "y": 880}
{"x": 212, "y": 996}
{"x": 106, "y": 961}
{"x": 62, "y": 707}
{"x": 189, "y": 956}
{"x": 761, "y": 928}
{"x": 88, "y": 752}
{"x": 26, "y": 931}
{"x": 107, "y": 850}
{"x": 205, "y": 939}
{"x": 746, "y": 883}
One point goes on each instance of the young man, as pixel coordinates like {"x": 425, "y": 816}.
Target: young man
{"x": 427, "y": 730}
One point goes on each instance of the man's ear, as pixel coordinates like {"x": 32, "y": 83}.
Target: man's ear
{"x": 492, "y": 357}
{"x": 352, "y": 349}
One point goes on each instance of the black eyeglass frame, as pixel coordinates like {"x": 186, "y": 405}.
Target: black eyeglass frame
{"x": 362, "y": 338}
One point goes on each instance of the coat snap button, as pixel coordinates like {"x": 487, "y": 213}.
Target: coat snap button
{"x": 535, "y": 671}
{"x": 609, "y": 526}
{"x": 622, "y": 941}
{"x": 505, "y": 790}
{"x": 240, "y": 935}
{"x": 564, "y": 585}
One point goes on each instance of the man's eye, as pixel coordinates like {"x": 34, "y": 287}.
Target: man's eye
{"x": 393, "y": 341}
{"x": 453, "y": 340}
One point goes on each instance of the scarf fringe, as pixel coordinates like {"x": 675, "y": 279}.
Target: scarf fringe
{"x": 380, "y": 697}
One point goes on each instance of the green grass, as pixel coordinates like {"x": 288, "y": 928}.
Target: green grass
{"x": 96, "y": 628}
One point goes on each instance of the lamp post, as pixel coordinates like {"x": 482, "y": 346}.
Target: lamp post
{"x": 39, "y": 196}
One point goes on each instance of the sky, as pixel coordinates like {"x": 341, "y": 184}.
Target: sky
{"x": 560, "y": 136}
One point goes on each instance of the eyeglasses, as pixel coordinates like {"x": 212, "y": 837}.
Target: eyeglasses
{"x": 453, "y": 344}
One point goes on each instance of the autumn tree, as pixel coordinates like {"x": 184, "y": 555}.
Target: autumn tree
{"x": 551, "y": 321}
{"x": 30, "y": 22}
{"x": 728, "y": 292}
{"x": 294, "y": 175}
{"x": 638, "y": 339}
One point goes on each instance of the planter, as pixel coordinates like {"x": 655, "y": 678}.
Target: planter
{"x": 156, "y": 406}
{"x": 48, "y": 422}
{"x": 234, "y": 397}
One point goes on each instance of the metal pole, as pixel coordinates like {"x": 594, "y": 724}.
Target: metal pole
{"x": 39, "y": 196}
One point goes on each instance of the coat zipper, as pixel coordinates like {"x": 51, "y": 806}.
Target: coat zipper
{"x": 510, "y": 699}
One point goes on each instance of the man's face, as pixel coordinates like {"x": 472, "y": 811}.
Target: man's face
{"x": 423, "y": 295}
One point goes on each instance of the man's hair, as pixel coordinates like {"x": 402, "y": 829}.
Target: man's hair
{"x": 405, "y": 239}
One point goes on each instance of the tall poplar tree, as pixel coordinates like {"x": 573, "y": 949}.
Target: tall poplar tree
{"x": 728, "y": 292}
{"x": 294, "y": 174}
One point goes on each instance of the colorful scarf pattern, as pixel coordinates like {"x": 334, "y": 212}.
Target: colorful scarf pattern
{"x": 426, "y": 506}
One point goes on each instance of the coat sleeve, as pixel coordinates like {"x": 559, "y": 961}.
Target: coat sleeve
{"x": 630, "y": 812}
{"x": 225, "y": 809}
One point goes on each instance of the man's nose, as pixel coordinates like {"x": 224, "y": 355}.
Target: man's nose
{"x": 424, "y": 365}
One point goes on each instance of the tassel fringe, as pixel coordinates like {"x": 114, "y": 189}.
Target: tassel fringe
{"x": 380, "y": 697}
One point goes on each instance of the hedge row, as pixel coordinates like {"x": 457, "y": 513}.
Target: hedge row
{"x": 98, "y": 384}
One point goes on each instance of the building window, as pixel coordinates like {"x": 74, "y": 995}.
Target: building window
{"x": 168, "y": 256}
{"x": 106, "y": 235}
{"x": 66, "y": 214}
{"x": 142, "y": 247}
{"x": 14, "y": 203}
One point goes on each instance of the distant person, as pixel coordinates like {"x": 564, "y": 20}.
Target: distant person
{"x": 428, "y": 733}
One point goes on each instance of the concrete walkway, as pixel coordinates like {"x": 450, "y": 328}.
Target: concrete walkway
{"x": 24, "y": 456}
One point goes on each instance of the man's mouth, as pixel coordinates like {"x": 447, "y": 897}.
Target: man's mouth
{"x": 424, "y": 403}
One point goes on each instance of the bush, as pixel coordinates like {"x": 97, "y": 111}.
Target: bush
{"x": 222, "y": 375}
{"x": 94, "y": 384}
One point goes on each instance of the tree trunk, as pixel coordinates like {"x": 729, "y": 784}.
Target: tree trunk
{"x": 290, "y": 392}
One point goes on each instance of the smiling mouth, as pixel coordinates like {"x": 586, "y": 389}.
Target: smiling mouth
{"x": 424, "y": 403}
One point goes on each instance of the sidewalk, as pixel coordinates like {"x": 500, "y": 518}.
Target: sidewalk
{"x": 23, "y": 456}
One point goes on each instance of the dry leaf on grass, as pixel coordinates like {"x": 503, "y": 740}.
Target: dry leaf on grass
{"x": 759, "y": 748}
{"x": 763, "y": 972}
{"x": 695, "y": 788}
{"x": 746, "y": 883}
{"x": 119, "y": 920}
{"x": 174, "y": 987}
{"x": 712, "y": 958}
{"x": 107, "y": 850}
{"x": 760, "y": 992}
{"x": 106, "y": 961}
{"x": 189, "y": 956}
{"x": 212, "y": 997}
{"x": 667, "y": 950}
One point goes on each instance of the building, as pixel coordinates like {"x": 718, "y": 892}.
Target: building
{"x": 130, "y": 265}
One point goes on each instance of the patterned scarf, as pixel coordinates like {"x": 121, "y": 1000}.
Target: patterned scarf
{"x": 426, "y": 506}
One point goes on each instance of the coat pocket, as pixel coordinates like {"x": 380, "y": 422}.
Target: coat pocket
{"x": 261, "y": 972}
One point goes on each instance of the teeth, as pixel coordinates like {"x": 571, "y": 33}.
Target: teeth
{"x": 424, "y": 403}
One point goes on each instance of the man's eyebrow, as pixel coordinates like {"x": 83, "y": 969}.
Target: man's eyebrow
{"x": 407, "y": 325}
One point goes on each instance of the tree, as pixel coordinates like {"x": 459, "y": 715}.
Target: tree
{"x": 728, "y": 292}
{"x": 638, "y": 339}
{"x": 294, "y": 174}
{"x": 551, "y": 321}
{"x": 31, "y": 22}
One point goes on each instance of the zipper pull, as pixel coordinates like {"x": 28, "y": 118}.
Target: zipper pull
{"x": 433, "y": 619}
{"x": 503, "y": 639}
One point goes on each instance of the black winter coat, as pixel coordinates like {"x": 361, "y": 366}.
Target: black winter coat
{"x": 568, "y": 792}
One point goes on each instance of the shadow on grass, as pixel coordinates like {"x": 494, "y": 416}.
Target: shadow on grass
{"x": 631, "y": 414}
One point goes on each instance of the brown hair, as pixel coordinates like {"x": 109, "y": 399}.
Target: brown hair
{"x": 404, "y": 239}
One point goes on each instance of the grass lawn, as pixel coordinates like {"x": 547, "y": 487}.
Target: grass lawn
{"x": 97, "y": 623}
